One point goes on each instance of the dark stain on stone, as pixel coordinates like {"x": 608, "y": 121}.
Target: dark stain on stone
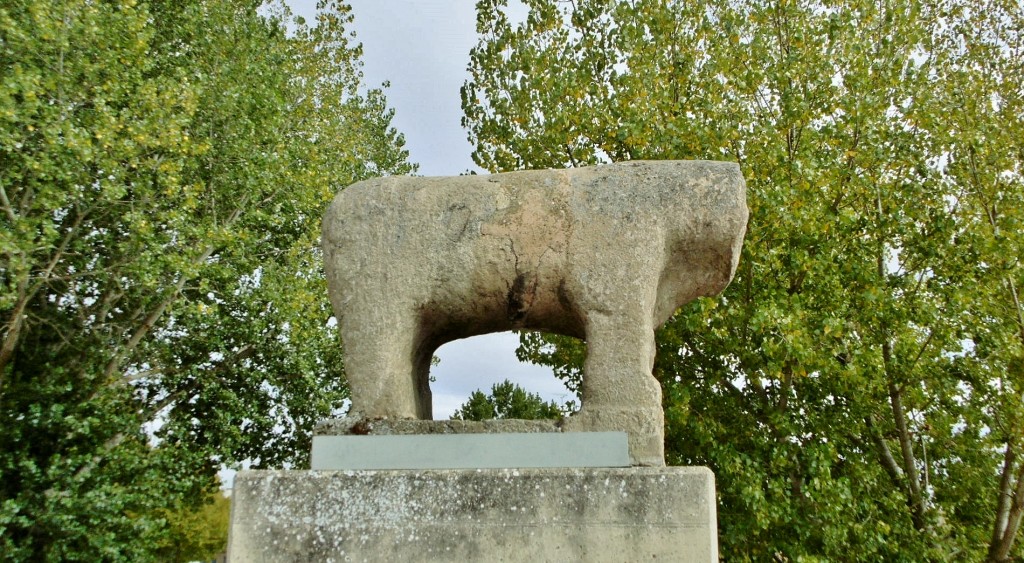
{"x": 564, "y": 299}
{"x": 517, "y": 299}
{"x": 572, "y": 321}
{"x": 361, "y": 428}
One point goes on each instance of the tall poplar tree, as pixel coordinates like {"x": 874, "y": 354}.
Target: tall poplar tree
{"x": 164, "y": 165}
{"x": 857, "y": 389}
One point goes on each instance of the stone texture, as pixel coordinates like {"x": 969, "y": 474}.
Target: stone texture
{"x": 471, "y": 451}
{"x": 604, "y": 253}
{"x": 633, "y": 514}
{"x": 353, "y": 426}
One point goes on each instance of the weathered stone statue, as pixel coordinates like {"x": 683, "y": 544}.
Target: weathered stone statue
{"x": 604, "y": 253}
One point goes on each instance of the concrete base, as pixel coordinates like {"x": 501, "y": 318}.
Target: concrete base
{"x": 630, "y": 514}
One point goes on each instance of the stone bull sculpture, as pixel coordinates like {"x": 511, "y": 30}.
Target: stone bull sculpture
{"x": 603, "y": 253}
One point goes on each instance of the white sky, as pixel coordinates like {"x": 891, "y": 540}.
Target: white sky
{"x": 422, "y": 48}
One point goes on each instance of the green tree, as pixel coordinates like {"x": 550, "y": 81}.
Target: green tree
{"x": 857, "y": 388}
{"x": 163, "y": 169}
{"x": 508, "y": 400}
{"x": 197, "y": 533}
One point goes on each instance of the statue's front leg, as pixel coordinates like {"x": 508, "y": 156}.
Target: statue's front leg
{"x": 387, "y": 375}
{"x": 619, "y": 389}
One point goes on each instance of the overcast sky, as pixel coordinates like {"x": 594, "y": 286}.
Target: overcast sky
{"x": 422, "y": 48}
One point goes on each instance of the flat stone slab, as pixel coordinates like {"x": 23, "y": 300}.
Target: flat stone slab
{"x": 471, "y": 451}
{"x": 632, "y": 514}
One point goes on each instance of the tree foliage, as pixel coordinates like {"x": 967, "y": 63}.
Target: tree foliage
{"x": 507, "y": 400}
{"x": 858, "y": 388}
{"x": 197, "y": 533}
{"x": 163, "y": 169}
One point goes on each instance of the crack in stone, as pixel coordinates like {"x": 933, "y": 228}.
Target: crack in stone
{"x": 519, "y": 300}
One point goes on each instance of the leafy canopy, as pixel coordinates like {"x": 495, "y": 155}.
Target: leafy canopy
{"x": 508, "y": 400}
{"x": 164, "y": 165}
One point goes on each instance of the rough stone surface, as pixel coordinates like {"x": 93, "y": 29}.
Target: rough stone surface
{"x": 633, "y": 514}
{"x": 388, "y": 426}
{"x": 604, "y": 253}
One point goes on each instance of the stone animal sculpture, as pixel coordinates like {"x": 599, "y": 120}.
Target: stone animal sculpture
{"x": 603, "y": 253}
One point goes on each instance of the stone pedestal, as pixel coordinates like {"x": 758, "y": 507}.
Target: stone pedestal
{"x": 592, "y": 514}
{"x": 564, "y": 496}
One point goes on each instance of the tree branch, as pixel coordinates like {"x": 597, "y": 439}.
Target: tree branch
{"x": 6, "y": 203}
{"x": 26, "y": 293}
{"x": 1009, "y": 506}
{"x": 150, "y": 320}
{"x": 1016, "y": 513}
{"x": 1016, "y": 303}
{"x": 243, "y": 353}
{"x": 572, "y": 159}
{"x": 17, "y": 320}
{"x": 918, "y": 503}
{"x": 888, "y": 461}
